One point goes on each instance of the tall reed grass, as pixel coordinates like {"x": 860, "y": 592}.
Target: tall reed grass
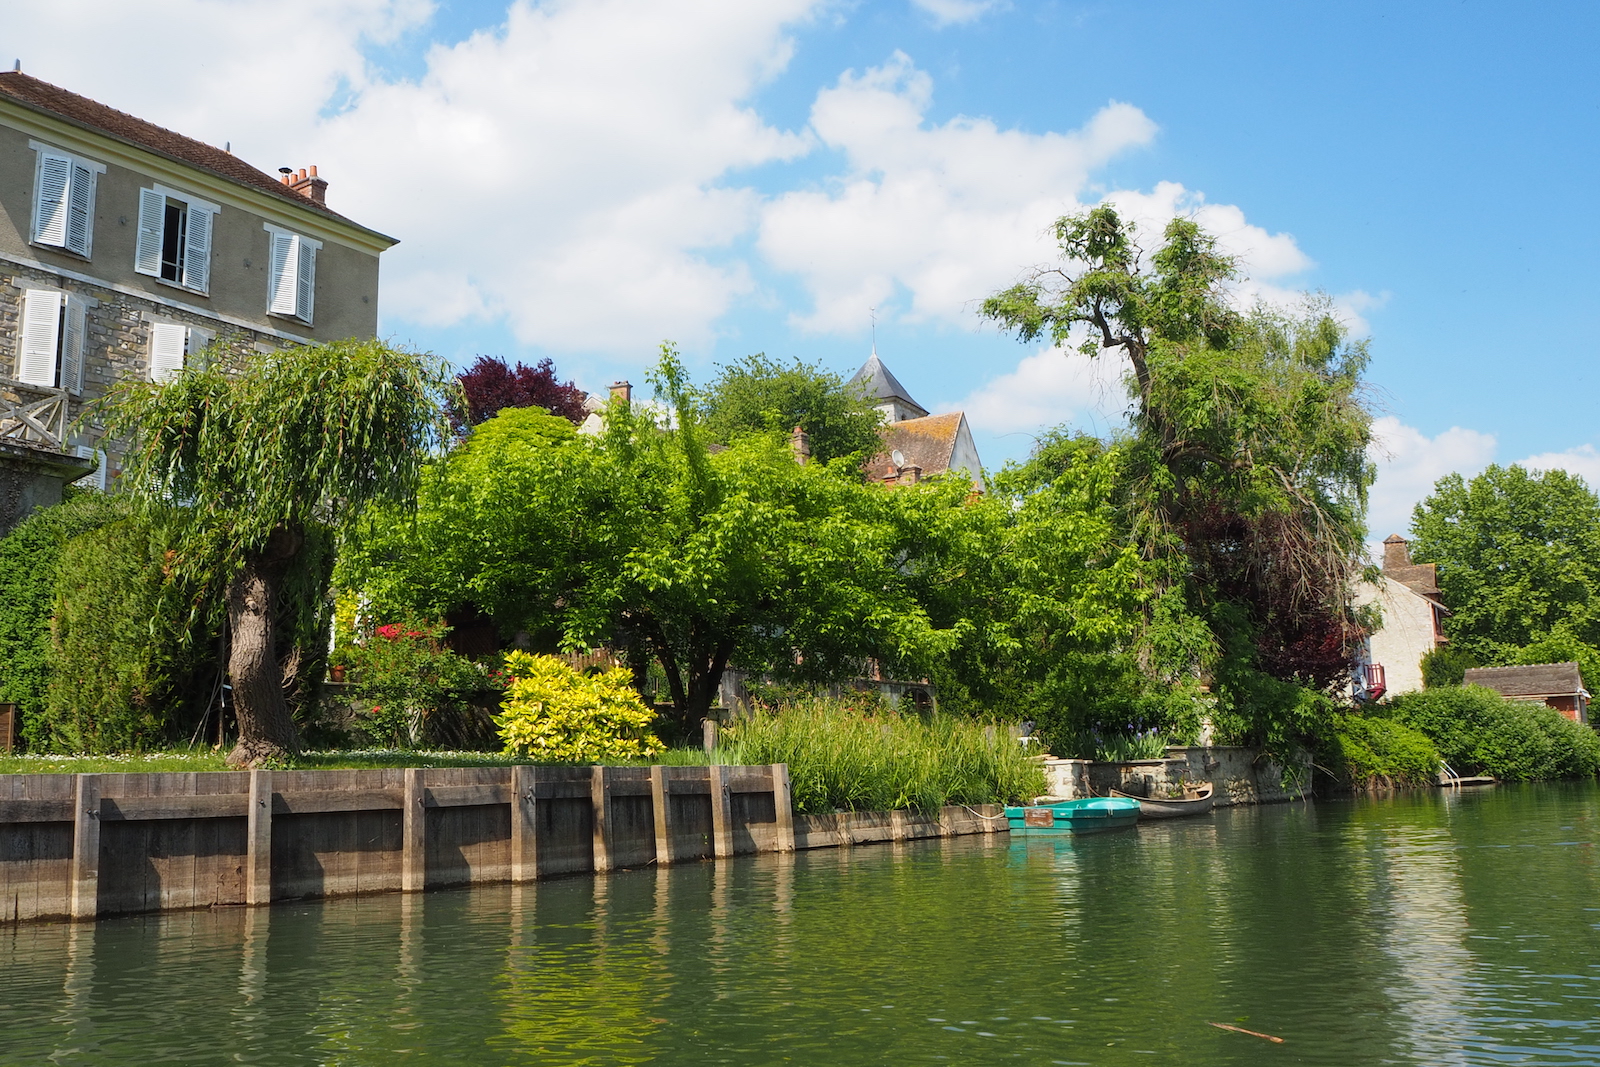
{"x": 847, "y": 755}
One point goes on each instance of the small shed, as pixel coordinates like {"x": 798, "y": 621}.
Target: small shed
{"x": 1558, "y": 685}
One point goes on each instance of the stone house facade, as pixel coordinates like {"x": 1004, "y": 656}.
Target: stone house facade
{"x": 127, "y": 250}
{"x": 1412, "y": 608}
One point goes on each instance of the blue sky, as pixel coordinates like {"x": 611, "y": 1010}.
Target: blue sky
{"x": 581, "y": 180}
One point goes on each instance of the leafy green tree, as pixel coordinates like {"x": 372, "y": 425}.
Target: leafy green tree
{"x": 1518, "y": 557}
{"x": 270, "y": 462}
{"x": 759, "y": 394}
{"x": 1246, "y": 470}
{"x": 1446, "y": 665}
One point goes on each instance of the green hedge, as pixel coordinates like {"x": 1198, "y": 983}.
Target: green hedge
{"x": 1367, "y": 753}
{"x": 1477, "y": 731}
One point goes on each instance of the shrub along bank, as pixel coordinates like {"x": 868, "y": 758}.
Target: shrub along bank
{"x": 1477, "y": 731}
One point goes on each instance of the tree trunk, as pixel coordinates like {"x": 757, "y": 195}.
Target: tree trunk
{"x": 266, "y": 728}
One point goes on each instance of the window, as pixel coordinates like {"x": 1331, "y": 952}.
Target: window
{"x": 292, "y": 274}
{"x": 171, "y": 345}
{"x": 50, "y": 352}
{"x": 174, "y": 238}
{"x": 63, "y": 200}
{"x": 95, "y": 479}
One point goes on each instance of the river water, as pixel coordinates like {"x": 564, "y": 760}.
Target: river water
{"x": 1427, "y": 929}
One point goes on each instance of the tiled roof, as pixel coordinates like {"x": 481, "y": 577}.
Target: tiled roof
{"x": 927, "y": 442}
{"x": 1538, "y": 680}
{"x": 39, "y": 95}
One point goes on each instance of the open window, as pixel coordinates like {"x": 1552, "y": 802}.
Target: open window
{"x": 175, "y": 238}
{"x": 51, "y": 340}
{"x": 63, "y": 200}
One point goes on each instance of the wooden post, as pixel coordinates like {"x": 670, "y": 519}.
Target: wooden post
{"x": 86, "y": 847}
{"x": 783, "y": 805}
{"x": 600, "y": 796}
{"x": 258, "y": 841}
{"x": 414, "y": 835}
{"x": 660, "y": 806}
{"x": 721, "y": 812}
{"x": 899, "y": 825}
{"x": 524, "y": 824}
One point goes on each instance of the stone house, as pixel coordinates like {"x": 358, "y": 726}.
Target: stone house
{"x": 1556, "y": 685}
{"x": 1407, "y": 594}
{"x": 916, "y": 445}
{"x": 126, "y": 250}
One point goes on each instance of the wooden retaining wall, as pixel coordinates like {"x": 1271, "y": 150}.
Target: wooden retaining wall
{"x": 87, "y": 845}
{"x": 81, "y": 846}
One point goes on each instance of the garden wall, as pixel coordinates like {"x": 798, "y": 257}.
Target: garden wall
{"x": 82, "y": 846}
{"x": 1238, "y": 775}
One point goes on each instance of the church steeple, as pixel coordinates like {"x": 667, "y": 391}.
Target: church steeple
{"x": 880, "y": 385}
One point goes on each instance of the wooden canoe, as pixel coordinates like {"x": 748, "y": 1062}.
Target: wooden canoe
{"x": 1197, "y": 801}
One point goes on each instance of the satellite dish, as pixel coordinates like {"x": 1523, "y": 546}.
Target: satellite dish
{"x": 899, "y": 460}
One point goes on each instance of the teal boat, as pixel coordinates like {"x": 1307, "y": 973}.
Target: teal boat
{"x": 1091, "y": 815}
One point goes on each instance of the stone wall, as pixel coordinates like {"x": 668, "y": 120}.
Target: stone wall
{"x": 1239, "y": 776}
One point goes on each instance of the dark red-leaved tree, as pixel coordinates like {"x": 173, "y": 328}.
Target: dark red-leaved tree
{"x": 489, "y": 385}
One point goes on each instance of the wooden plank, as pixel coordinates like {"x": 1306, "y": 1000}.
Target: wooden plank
{"x": 86, "y": 848}
{"x": 524, "y": 824}
{"x": 598, "y": 797}
{"x": 173, "y": 806}
{"x": 749, "y": 783}
{"x": 689, "y": 786}
{"x": 662, "y": 812}
{"x": 721, "y": 813}
{"x": 783, "y": 804}
{"x": 414, "y": 835}
{"x": 466, "y": 796}
{"x": 258, "y": 840}
{"x": 563, "y": 790}
{"x": 29, "y": 810}
{"x": 630, "y": 787}
{"x": 311, "y": 801}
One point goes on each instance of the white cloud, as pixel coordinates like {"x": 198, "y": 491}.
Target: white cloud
{"x": 1049, "y": 387}
{"x": 955, "y": 12}
{"x": 1409, "y": 462}
{"x": 1583, "y": 461}
{"x": 943, "y": 212}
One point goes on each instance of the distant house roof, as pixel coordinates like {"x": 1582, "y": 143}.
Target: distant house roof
{"x": 36, "y": 95}
{"x": 1420, "y": 578}
{"x": 930, "y": 443}
{"x": 1538, "y": 680}
{"x": 879, "y": 383}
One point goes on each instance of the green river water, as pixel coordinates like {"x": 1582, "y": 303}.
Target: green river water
{"x": 1427, "y": 929}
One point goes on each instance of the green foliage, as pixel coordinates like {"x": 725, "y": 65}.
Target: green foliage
{"x": 30, "y": 556}
{"x": 554, "y": 714}
{"x": 123, "y": 676}
{"x": 1518, "y": 557}
{"x": 853, "y": 754}
{"x": 419, "y": 693}
{"x": 1366, "y": 752}
{"x": 1446, "y": 665}
{"x": 1279, "y": 717}
{"x": 1560, "y": 646}
{"x": 1478, "y": 731}
{"x": 761, "y": 395}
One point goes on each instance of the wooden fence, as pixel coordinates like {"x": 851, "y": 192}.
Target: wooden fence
{"x": 87, "y": 845}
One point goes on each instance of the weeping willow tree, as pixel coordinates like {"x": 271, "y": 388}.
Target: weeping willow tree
{"x": 1247, "y": 468}
{"x": 269, "y": 462}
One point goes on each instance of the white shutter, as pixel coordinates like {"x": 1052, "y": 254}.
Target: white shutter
{"x": 74, "y": 326}
{"x": 198, "y": 339}
{"x": 197, "y": 250}
{"x": 50, "y": 209}
{"x": 41, "y": 333}
{"x": 95, "y": 479}
{"x": 305, "y": 298}
{"x": 283, "y": 274}
{"x": 80, "y": 210}
{"x": 152, "y": 220}
{"x": 167, "y": 341}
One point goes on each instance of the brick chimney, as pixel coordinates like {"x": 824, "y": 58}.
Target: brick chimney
{"x": 910, "y": 474}
{"x": 308, "y": 185}
{"x": 1396, "y": 552}
{"x": 800, "y": 441}
{"x": 622, "y": 391}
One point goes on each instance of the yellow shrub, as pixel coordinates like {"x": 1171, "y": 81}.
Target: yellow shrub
{"x": 554, "y": 714}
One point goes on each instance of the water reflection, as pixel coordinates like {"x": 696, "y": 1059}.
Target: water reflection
{"x": 1427, "y": 930}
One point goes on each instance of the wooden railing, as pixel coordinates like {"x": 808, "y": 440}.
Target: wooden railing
{"x": 38, "y": 417}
